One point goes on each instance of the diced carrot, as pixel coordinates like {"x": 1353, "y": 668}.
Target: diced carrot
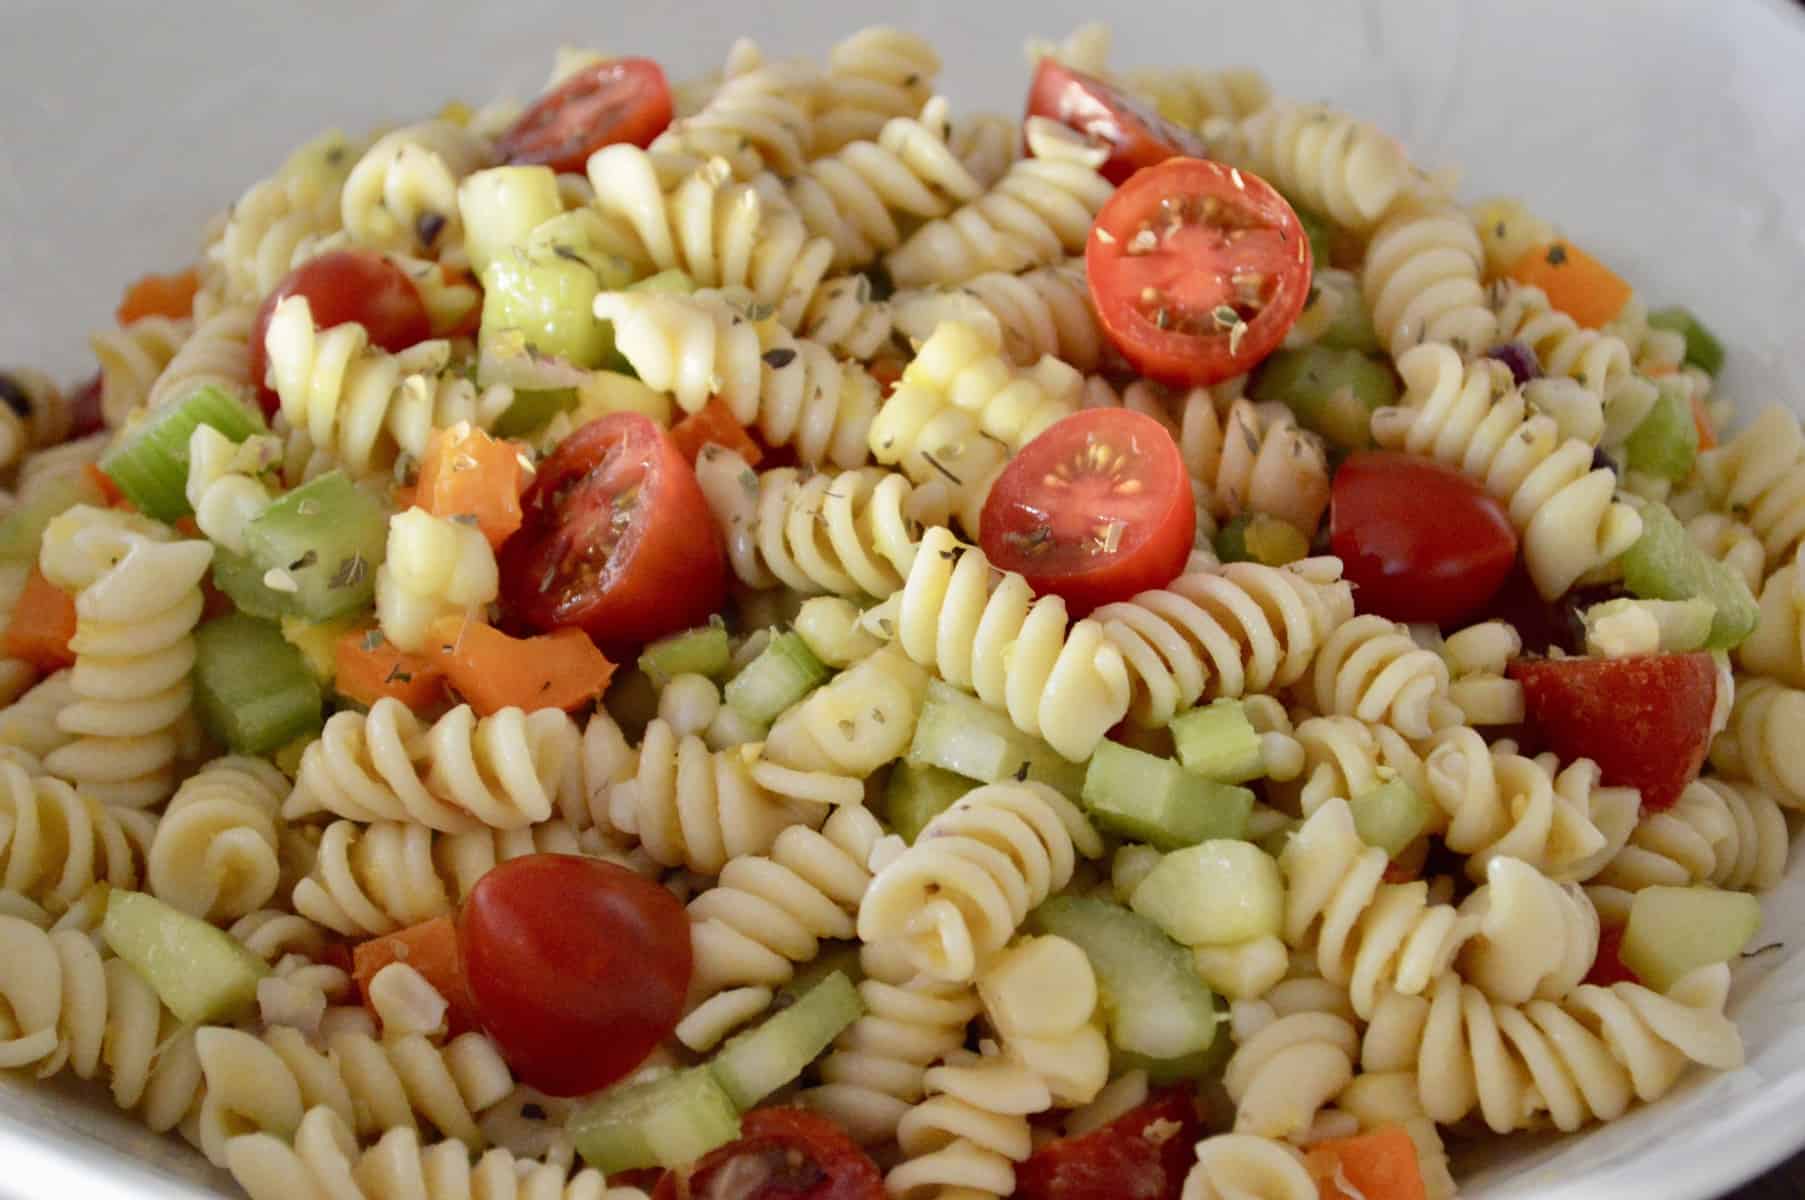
{"x": 714, "y": 422}
{"x": 1701, "y": 420}
{"x": 369, "y": 667}
{"x": 42, "y": 623}
{"x": 467, "y": 473}
{"x": 109, "y": 490}
{"x": 1380, "y": 1165}
{"x": 431, "y": 948}
{"x": 493, "y": 671}
{"x": 1575, "y": 282}
{"x": 159, "y": 296}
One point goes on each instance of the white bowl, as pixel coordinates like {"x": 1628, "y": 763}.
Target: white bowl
{"x": 1667, "y": 137}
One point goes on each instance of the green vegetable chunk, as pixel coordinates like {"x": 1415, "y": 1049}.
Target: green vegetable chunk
{"x": 1135, "y": 795}
{"x": 1666, "y": 442}
{"x": 1333, "y": 392}
{"x": 1703, "y": 350}
{"x": 1390, "y": 816}
{"x": 960, "y": 733}
{"x": 666, "y": 1122}
{"x": 1218, "y": 742}
{"x": 784, "y": 672}
{"x": 326, "y": 539}
{"x": 1665, "y": 564}
{"x": 201, "y": 973}
{"x": 149, "y": 464}
{"x": 22, "y": 532}
{"x": 501, "y": 206}
{"x": 1674, "y": 930}
{"x": 757, "y": 1062}
{"x": 699, "y": 651}
{"x": 252, "y": 686}
{"x": 916, "y": 793}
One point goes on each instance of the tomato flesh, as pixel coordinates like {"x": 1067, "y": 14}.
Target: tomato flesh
{"x": 782, "y": 1154}
{"x": 1136, "y": 135}
{"x": 577, "y": 968}
{"x": 622, "y": 100}
{"x": 343, "y": 286}
{"x": 1197, "y": 270}
{"x": 1144, "y": 1154}
{"x": 1645, "y": 721}
{"x": 1096, "y": 509}
{"x": 1607, "y": 967}
{"x": 616, "y": 539}
{"x": 1420, "y": 541}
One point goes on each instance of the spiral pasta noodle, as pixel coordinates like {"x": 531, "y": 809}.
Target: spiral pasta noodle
{"x": 1471, "y": 418}
{"x": 16, "y": 674}
{"x": 402, "y": 193}
{"x": 28, "y": 725}
{"x": 1776, "y": 646}
{"x": 131, "y": 357}
{"x": 1348, "y": 757}
{"x": 217, "y": 354}
{"x": 56, "y": 843}
{"x": 1343, "y": 168}
{"x": 508, "y": 770}
{"x": 34, "y": 412}
{"x": 1535, "y": 938}
{"x": 859, "y": 720}
{"x": 1065, "y": 685}
{"x": 1242, "y": 1166}
{"x": 1421, "y": 281}
{"x": 965, "y": 1138}
{"x": 1045, "y": 311}
{"x": 1232, "y": 631}
{"x": 1756, "y": 475}
{"x": 1594, "y": 359}
{"x": 1370, "y": 668}
{"x": 1720, "y": 832}
{"x": 215, "y": 850}
{"x": 958, "y": 894}
{"x": 759, "y": 118}
{"x": 1734, "y": 544}
{"x": 873, "y": 76}
{"x": 1040, "y": 995}
{"x": 435, "y": 567}
{"x": 1756, "y": 744}
{"x": 265, "y": 227}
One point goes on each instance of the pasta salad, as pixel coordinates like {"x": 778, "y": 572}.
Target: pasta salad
{"x": 767, "y": 636}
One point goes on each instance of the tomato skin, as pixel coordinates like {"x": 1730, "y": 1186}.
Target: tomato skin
{"x": 622, "y": 100}
{"x": 1420, "y": 541}
{"x": 1050, "y": 531}
{"x": 808, "y": 1158}
{"x": 1225, "y": 243}
{"x": 577, "y": 968}
{"x": 1136, "y": 135}
{"x": 343, "y": 286}
{"x": 1645, "y": 721}
{"x": 1607, "y": 967}
{"x": 662, "y": 565}
{"x": 1144, "y": 1154}
{"x": 84, "y": 409}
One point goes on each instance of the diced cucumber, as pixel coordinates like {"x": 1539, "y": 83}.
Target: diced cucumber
{"x": 1680, "y": 625}
{"x": 670, "y": 1121}
{"x": 1321, "y": 234}
{"x": 840, "y": 957}
{"x": 22, "y": 532}
{"x": 1219, "y": 893}
{"x": 149, "y": 464}
{"x": 1665, "y": 564}
{"x": 1203, "y": 1064}
{"x": 1218, "y": 742}
{"x": 532, "y": 410}
{"x": 576, "y": 236}
{"x": 960, "y": 733}
{"x": 1155, "y": 1003}
{"x": 757, "y": 1062}
{"x": 242, "y": 582}
{"x": 917, "y": 793}
{"x": 1257, "y": 537}
{"x": 501, "y": 205}
{"x": 549, "y": 304}
{"x": 784, "y": 672}
{"x": 200, "y": 972}
{"x": 327, "y": 537}
{"x": 1390, "y": 816}
{"x": 1155, "y": 800}
{"x": 1673, "y": 930}
{"x": 1703, "y": 350}
{"x": 252, "y": 688}
{"x": 1333, "y": 392}
{"x": 699, "y": 651}
{"x": 1666, "y": 441}
{"x": 1351, "y": 326}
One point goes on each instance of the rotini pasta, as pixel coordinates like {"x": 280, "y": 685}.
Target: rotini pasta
{"x": 1371, "y": 669}
{"x": 1720, "y": 832}
{"x": 131, "y": 358}
{"x": 215, "y": 853}
{"x": 1341, "y": 167}
{"x": 402, "y": 194}
{"x": 1421, "y": 280}
{"x": 1535, "y": 938}
{"x": 34, "y": 412}
{"x": 217, "y": 354}
{"x": 1756, "y": 746}
{"x": 1242, "y": 1166}
{"x": 872, "y": 77}
{"x": 1045, "y": 311}
{"x": 965, "y": 1138}
{"x": 1595, "y": 360}
{"x": 1756, "y": 475}
{"x": 435, "y": 567}
{"x": 856, "y": 722}
{"x": 1776, "y": 647}
{"x": 56, "y": 843}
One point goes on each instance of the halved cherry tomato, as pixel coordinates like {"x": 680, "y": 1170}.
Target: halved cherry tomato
{"x": 781, "y": 1154}
{"x": 622, "y": 100}
{"x": 578, "y": 967}
{"x": 341, "y": 286}
{"x": 1136, "y": 135}
{"x": 1095, "y": 509}
{"x": 431, "y": 948}
{"x": 1420, "y": 541}
{"x": 1607, "y": 966}
{"x": 617, "y": 539}
{"x": 84, "y": 408}
{"x": 1144, "y": 1154}
{"x": 1197, "y": 270}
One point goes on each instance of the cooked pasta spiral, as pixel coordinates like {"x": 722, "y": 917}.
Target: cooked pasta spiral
{"x": 1421, "y": 280}
{"x": 16, "y": 674}
{"x": 217, "y": 355}
{"x": 872, "y": 76}
{"x": 1240, "y": 1166}
{"x": 1580, "y": 1058}
{"x": 215, "y": 850}
{"x": 759, "y": 118}
{"x": 403, "y": 193}
{"x": 1594, "y": 359}
{"x": 435, "y": 567}
{"x": 29, "y": 725}
{"x": 1757, "y": 745}
{"x": 224, "y": 485}
{"x": 1370, "y": 668}
{"x": 1189, "y": 96}
{"x": 265, "y": 1083}
{"x": 131, "y": 357}
{"x": 1281, "y": 1076}
{"x": 1348, "y": 757}
{"x": 1045, "y": 311}
{"x": 1732, "y": 543}
{"x": 1259, "y": 460}
{"x": 508, "y": 770}
{"x": 1720, "y": 832}
{"x": 1040, "y": 995}
{"x": 69, "y": 1008}
{"x": 958, "y": 894}
{"x": 1757, "y": 474}
{"x": 1343, "y": 168}
{"x": 257, "y": 242}
{"x": 859, "y": 720}
{"x": 791, "y": 388}
{"x": 1471, "y": 418}
{"x": 1776, "y": 646}
{"x": 964, "y": 1139}
{"x": 137, "y": 599}
{"x": 1065, "y": 685}
{"x": 56, "y": 843}
{"x": 1535, "y": 938}
{"x": 1232, "y": 631}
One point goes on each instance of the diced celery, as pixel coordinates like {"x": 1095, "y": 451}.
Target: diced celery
{"x": 960, "y": 733}
{"x": 1666, "y": 441}
{"x": 200, "y": 972}
{"x": 1665, "y": 564}
{"x": 252, "y": 688}
{"x": 757, "y": 1062}
{"x": 501, "y": 205}
{"x": 1154, "y": 1001}
{"x": 1674, "y": 930}
{"x": 1703, "y": 350}
{"x": 917, "y": 793}
{"x": 1155, "y": 800}
{"x": 1390, "y": 816}
{"x": 149, "y": 464}
{"x": 840, "y": 957}
{"x": 699, "y": 651}
{"x": 1218, "y": 893}
{"x": 326, "y": 538}
{"x": 242, "y": 582}
{"x": 1333, "y": 392}
{"x": 532, "y": 410}
{"x": 1218, "y": 742}
{"x": 670, "y": 1121}
{"x": 547, "y": 302}
{"x": 784, "y": 672}
{"x": 22, "y": 531}
{"x": 1257, "y": 537}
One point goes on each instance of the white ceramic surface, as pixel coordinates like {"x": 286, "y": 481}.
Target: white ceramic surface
{"x": 1669, "y": 137}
